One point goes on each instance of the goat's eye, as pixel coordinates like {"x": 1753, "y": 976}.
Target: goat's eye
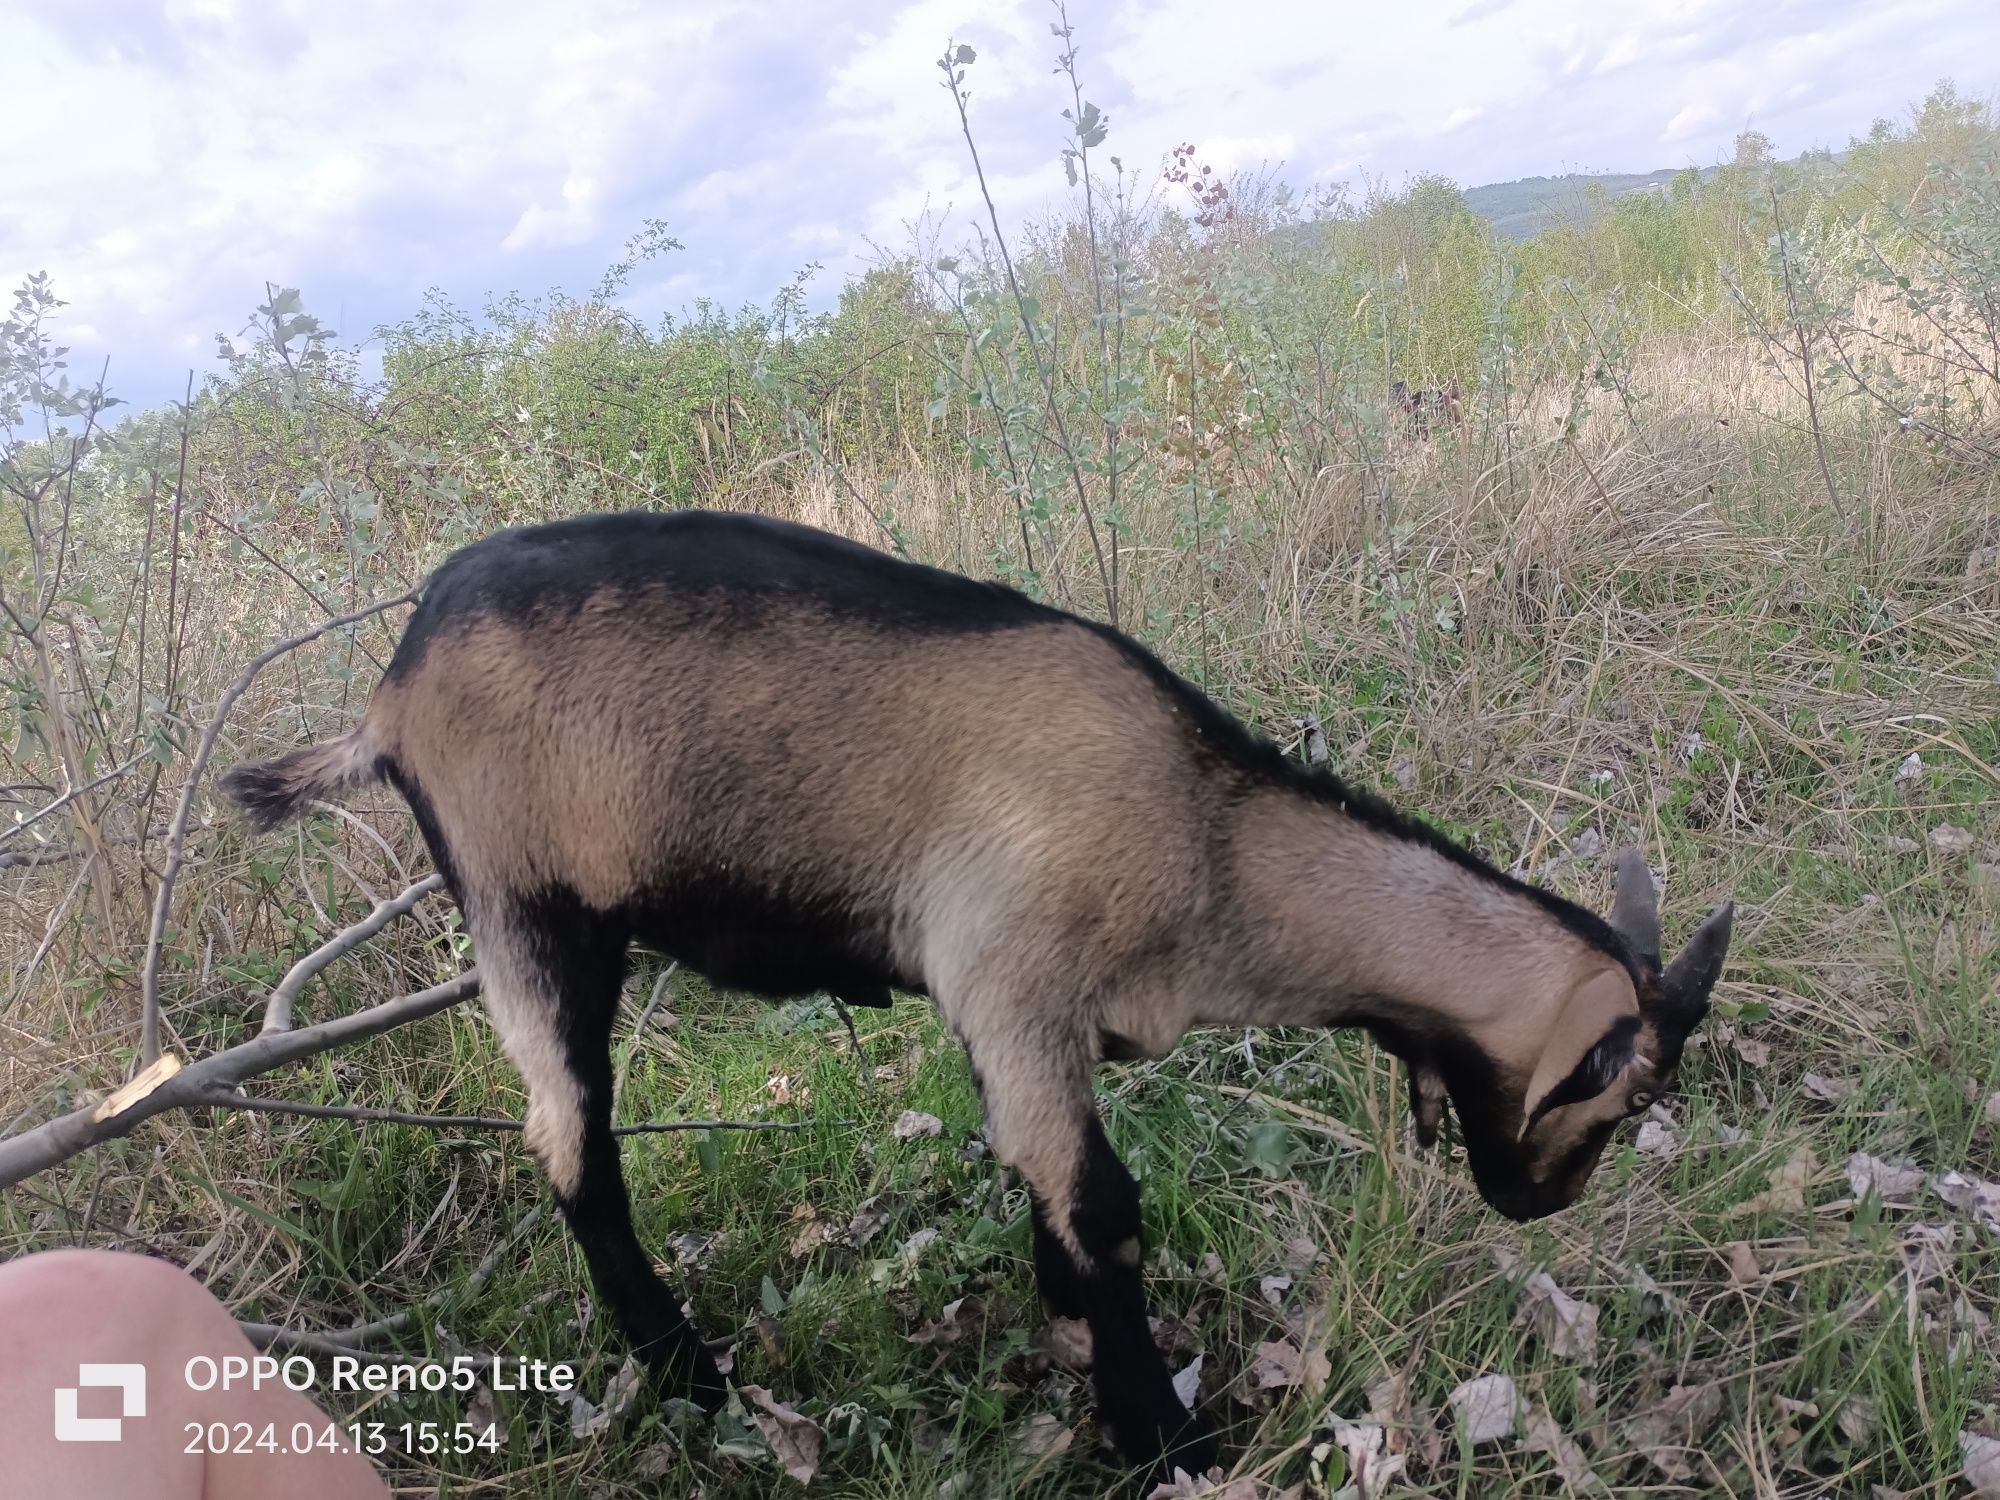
{"x": 1643, "y": 1099}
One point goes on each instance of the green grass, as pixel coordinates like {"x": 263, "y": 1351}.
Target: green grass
{"x": 1405, "y": 1276}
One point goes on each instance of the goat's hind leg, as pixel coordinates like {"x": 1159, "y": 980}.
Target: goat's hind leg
{"x": 552, "y": 973}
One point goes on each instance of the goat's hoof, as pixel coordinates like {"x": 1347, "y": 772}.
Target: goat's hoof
{"x": 707, "y": 1386}
{"x": 689, "y": 1371}
{"x": 1165, "y": 1441}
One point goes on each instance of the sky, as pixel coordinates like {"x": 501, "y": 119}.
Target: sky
{"x": 164, "y": 159}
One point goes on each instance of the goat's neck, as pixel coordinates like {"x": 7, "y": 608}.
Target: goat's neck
{"x": 1344, "y": 923}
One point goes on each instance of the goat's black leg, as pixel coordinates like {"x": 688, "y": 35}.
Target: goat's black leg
{"x": 1135, "y": 1395}
{"x": 552, "y": 975}
{"x": 1055, "y": 1273}
{"x": 1087, "y": 1243}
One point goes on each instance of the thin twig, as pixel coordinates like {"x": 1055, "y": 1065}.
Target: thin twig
{"x": 149, "y": 1024}
{"x": 854, "y": 1036}
{"x": 639, "y": 1030}
{"x": 67, "y": 797}
{"x": 350, "y": 1340}
{"x": 278, "y": 1008}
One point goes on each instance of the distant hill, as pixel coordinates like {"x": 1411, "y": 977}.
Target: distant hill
{"x": 1529, "y": 205}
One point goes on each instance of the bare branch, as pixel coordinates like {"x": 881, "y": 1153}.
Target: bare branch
{"x": 32, "y": 1151}
{"x": 278, "y": 1008}
{"x": 639, "y": 1030}
{"x": 149, "y": 1029}
{"x": 68, "y": 797}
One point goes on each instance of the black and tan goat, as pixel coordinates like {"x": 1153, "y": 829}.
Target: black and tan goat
{"x": 796, "y": 764}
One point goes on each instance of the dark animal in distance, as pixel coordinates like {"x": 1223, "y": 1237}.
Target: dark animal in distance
{"x": 797, "y": 764}
{"x": 1419, "y": 407}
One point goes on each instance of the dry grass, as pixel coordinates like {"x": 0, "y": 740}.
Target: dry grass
{"x": 1654, "y": 631}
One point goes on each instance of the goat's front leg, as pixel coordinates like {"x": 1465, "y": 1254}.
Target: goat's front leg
{"x": 1087, "y": 1243}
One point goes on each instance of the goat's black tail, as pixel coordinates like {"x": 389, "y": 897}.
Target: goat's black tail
{"x": 271, "y": 791}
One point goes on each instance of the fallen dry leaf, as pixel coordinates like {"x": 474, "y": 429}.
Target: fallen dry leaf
{"x": 1389, "y": 1408}
{"x": 812, "y": 1233}
{"x": 1281, "y": 1364}
{"x": 1566, "y": 1324}
{"x": 1371, "y": 1467}
{"x": 1668, "y": 1433}
{"x": 1829, "y": 1090}
{"x": 1273, "y": 1288}
{"x": 481, "y": 1412}
{"x": 692, "y": 1249}
{"x": 1991, "y": 1113}
{"x": 771, "y": 1337}
{"x": 1187, "y": 1384}
{"x": 783, "y": 1090}
{"x": 1982, "y": 1463}
{"x": 947, "y": 1328}
{"x": 1042, "y": 1435}
{"x": 1652, "y": 1296}
{"x": 1973, "y": 1195}
{"x": 868, "y": 1220}
{"x": 1173, "y": 1338}
{"x": 1949, "y": 838}
{"x": 1300, "y": 1254}
{"x": 1857, "y": 1418}
{"x": 1486, "y": 1407}
{"x": 657, "y": 1461}
{"x": 1743, "y": 1267}
{"x": 1787, "y": 1194}
{"x": 1912, "y": 767}
{"x": 1895, "y": 1182}
{"x": 795, "y": 1439}
{"x": 1656, "y": 1139}
{"x": 621, "y": 1394}
{"x": 1186, "y": 1486}
{"x": 1067, "y": 1342}
{"x": 914, "y": 1122}
{"x": 1927, "y": 1251}
{"x": 1544, "y": 1434}
{"x": 1752, "y": 1051}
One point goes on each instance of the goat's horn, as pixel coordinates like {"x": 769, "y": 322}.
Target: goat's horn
{"x": 1695, "y": 969}
{"x": 1635, "y": 911}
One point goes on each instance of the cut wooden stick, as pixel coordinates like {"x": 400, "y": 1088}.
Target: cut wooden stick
{"x": 36, "y": 1150}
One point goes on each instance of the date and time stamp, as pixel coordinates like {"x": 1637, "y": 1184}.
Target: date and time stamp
{"x": 339, "y": 1375}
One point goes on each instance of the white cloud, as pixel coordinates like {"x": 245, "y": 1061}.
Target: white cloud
{"x": 1232, "y": 153}
{"x": 168, "y": 157}
{"x": 1692, "y": 120}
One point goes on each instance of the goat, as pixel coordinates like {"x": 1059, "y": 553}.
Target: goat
{"x": 796, "y": 764}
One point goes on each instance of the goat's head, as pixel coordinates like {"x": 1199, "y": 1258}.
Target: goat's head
{"x": 1534, "y": 1130}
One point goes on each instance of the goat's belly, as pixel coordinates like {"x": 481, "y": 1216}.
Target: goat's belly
{"x": 752, "y": 940}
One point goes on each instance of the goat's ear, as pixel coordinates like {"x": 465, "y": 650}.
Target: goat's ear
{"x": 1586, "y": 1047}
{"x": 1685, "y": 985}
{"x": 1427, "y": 1097}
